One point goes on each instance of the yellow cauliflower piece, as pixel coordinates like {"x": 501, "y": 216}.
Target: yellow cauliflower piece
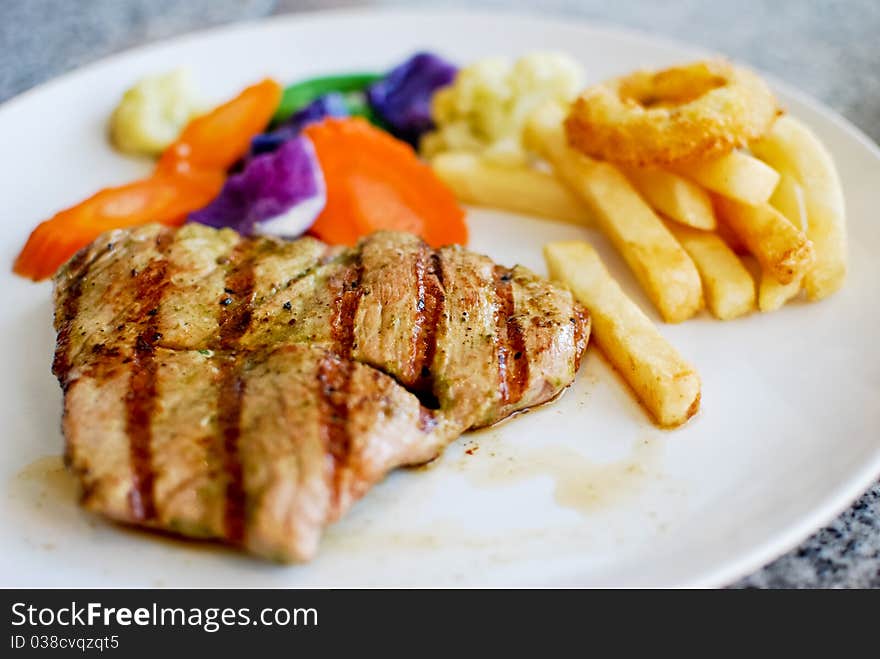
{"x": 485, "y": 108}
{"x": 151, "y": 114}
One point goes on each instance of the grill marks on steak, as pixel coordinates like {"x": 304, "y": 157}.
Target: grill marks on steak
{"x": 346, "y": 293}
{"x": 430, "y": 299}
{"x": 236, "y": 310}
{"x": 229, "y": 402}
{"x": 513, "y": 361}
{"x": 234, "y": 318}
{"x": 334, "y": 375}
{"x": 140, "y": 399}
{"x": 250, "y": 389}
{"x": 66, "y": 310}
{"x": 334, "y": 379}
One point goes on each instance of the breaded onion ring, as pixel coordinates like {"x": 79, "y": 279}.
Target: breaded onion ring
{"x": 684, "y": 113}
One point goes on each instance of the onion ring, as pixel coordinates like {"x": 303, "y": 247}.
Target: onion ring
{"x": 684, "y": 113}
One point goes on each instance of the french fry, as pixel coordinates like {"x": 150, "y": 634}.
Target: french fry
{"x": 664, "y": 382}
{"x": 515, "y": 189}
{"x": 674, "y": 196}
{"x": 793, "y": 148}
{"x": 788, "y": 199}
{"x": 730, "y": 237}
{"x": 736, "y": 175}
{"x": 772, "y": 294}
{"x": 781, "y": 249}
{"x": 662, "y": 267}
{"x": 727, "y": 284}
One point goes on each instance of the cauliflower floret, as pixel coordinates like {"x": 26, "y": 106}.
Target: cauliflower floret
{"x": 151, "y": 114}
{"x": 554, "y": 72}
{"x": 485, "y": 109}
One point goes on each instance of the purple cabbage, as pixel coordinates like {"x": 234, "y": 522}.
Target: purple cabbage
{"x": 402, "y": 99}
{"x": 279, "y": 193}
{"x": 328, "y": 105}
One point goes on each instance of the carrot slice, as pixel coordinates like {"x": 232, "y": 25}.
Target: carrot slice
{"x": 375, "y": 181}
{"x": 218, "y": 139}
{"x": 162, "y": 198}
{"x": 190, "y": 174}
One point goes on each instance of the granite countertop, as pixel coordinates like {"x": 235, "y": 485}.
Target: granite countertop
{"x": 827, "y": 49}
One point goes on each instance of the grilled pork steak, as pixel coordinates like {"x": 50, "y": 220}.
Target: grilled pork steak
{"x": 252, "y": 389}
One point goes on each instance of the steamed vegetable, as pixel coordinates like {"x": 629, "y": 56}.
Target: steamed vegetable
{"x": 485, "y": 109}
{"x": 163, "y": 198}
{"x": 402, "y": 99}
{"x": 189, "y": 174}
{"x": 278, "y": 193}
{"x": 377, "y": 182}
{"x": 329, "y": 105}
{"x": 221, "y": 137}
{"x": 301, "y": 94}
{"x": 152, "y": 113}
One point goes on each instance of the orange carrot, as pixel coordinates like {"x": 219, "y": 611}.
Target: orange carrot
{"x": 375, "y": 181}
{"x": 163, "y": 198}
{"x": 190, "y": 174}
{"x": 218, "y": 139}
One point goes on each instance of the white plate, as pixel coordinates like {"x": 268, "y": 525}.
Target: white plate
{"x": 582, "y": 492}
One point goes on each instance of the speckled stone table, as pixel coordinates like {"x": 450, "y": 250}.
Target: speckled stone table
{"x": 828, "y": 49}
